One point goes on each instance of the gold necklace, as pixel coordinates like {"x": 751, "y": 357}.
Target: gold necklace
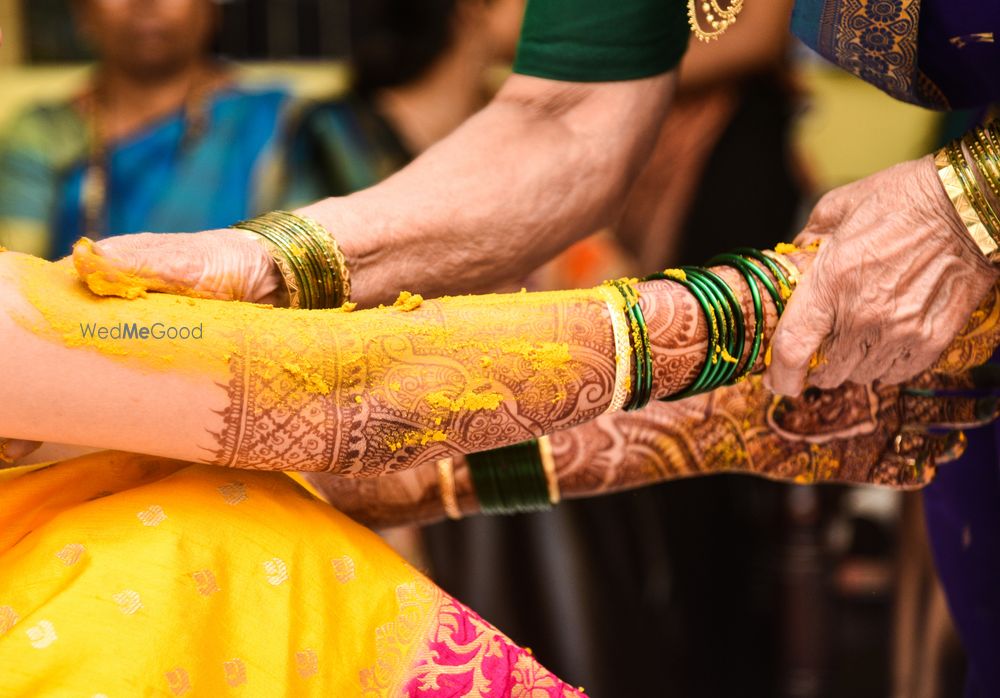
{"x": 717, "y": 18}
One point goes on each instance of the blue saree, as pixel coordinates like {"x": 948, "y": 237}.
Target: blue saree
{"x": 158, "y": 181}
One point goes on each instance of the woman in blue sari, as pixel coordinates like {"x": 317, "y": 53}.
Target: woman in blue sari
{"x": 163, "y": 138}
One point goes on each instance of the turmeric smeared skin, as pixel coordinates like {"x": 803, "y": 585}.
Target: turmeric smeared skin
{"x": 378, "y": 390}
{"x": 360, "y": 391}
{"x": 408, "y": 301}
{"x": 104, "y": 279}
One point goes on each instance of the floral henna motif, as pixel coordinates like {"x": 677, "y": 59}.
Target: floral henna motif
{"x": 369, "y": 392}
{"x": 853, "y": 434}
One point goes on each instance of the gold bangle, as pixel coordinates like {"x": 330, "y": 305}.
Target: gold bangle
{"x": 967, "y": 178}
{"x": 446, "y": 483}
{"x": 957, "y": 195}
{"x": 623, "y": 349}
{"x": 549, "y": 466}
{"x": 981, "y": 148}
{"x": 791, "y": 271}
{"x": 312, "y": 264}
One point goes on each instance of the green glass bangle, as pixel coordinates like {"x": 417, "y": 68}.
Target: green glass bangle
{"x": 759, "y": 256}
{"x": 638, "y": 334}
{"x": 702, "y": 378}
{"x": 302, "y": 249}
{"x": 738, "y": 330}
{"x": 740, "y": 264}
{"x": 510, "y": 480}
{"x": 644, "y": 383}
{"x": 767, "y": 283}
{"x": 724, "y": 334}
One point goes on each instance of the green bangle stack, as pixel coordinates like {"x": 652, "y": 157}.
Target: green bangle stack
{"x": 510, "y": 480}
{"x": 724, "y": 314}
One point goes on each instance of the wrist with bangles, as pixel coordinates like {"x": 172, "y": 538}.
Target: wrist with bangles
{"x": 311, "y": 262}
{"x": 522, "y": 477}
{"x": 962, "y": 166}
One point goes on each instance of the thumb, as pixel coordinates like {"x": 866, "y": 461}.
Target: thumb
{"x": 222, "y": 264}
{"x": 806, "y": 322}
{"x": 127, "y": 266}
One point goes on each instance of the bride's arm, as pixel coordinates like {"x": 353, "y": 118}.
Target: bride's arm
{"x": 887, "y": 435}
{"x": 360, "y": 393}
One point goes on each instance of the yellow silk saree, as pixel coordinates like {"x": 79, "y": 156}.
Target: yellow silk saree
{"x": 126, "y": 575}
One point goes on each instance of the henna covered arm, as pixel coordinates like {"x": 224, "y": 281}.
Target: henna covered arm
{"x": 855, "y": 434}
{"x": 354, "y": 393}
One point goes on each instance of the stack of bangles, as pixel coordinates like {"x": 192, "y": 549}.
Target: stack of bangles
{"x": 310, "y": 261}
{"x": 522, "y": 477}
{"x": 976, "y": 205}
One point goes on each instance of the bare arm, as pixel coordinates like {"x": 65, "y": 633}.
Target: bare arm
{"x": 541, "y": 166}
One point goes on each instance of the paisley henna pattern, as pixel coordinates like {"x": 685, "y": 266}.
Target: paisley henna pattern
{"x": 379, "y": 391}
{"x": 887, "y": 436}
{"x": 976, "y": 343}
{"x": 857, "y": 434}
{"x": 374, "y": 391}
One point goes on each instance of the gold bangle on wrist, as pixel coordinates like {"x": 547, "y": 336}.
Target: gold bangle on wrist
{"x": 446, "y": 483}
{"x": 791, "y": 271}
{"x": 955, "y": 189}
{"x": 970, "y": 184}
{"x": 984, "y": 145}
{"x": 623, "y": 350}
{"x": 549, "y": 466}
{"x": 308, "y": 257}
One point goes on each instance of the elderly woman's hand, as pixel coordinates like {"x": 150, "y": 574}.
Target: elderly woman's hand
{"x": 222, "y": 264}
{"x": 892, "y": 285}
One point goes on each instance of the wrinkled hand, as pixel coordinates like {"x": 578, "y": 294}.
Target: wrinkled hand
{"x": 894, "y": 281}
{"x": 223, "y": 264}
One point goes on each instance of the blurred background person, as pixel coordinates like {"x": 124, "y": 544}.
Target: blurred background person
{"x": 163, "y": 137}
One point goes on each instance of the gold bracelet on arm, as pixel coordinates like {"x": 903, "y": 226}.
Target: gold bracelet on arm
{"x": 446, "y": 483}
{"x": 960, "y": 186}
{"x": 310, "y": 260}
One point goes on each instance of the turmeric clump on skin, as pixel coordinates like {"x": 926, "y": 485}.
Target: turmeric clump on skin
{"x": 469, "y": 401}
{"x": 417, "y": 438}
{"x": 408, "y": 301}
{"x": 786, "y": 248}
{"x": 103, "y": 279}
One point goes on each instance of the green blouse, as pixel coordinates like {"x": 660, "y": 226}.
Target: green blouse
{"x": 601, "y": 40}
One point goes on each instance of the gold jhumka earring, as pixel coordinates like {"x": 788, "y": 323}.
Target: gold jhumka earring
{"x": 717, "y": 19}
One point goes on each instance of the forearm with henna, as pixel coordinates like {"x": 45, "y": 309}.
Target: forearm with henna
{"x": 855, "y": 434}
{"x": 353, "y": 393}
{"x": 458, "y": 375}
